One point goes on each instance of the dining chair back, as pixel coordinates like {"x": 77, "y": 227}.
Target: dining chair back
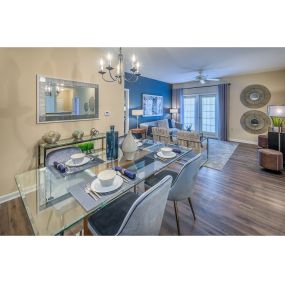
{"x": 161, "y": 134}
{"x": 182, "y": 187}
{"x": 61, "y": 155}
{"x": 145, "y": 215}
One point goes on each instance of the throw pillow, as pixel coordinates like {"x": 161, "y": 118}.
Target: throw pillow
{"x": 163, "y": 124}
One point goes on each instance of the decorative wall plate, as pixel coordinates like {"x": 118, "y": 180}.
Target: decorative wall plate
{"x": 255, "y": 96}
{"x": 255, "y": 122}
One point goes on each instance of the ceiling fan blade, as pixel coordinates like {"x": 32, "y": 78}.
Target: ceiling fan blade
{"x": 213, "y": 79}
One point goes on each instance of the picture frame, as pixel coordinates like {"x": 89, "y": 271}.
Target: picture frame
{"x": 152, "y": 105}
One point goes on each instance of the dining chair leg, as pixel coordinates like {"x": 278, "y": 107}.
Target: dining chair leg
{"x": 176, "y": 216}
{"x": 192, "y": 209}
{"x": 86, "y": 231}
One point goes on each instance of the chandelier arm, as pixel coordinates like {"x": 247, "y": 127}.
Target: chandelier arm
{"x": 133, "y": 78}
{"x": 130, "y": 78}
{"x": 107, "y": 80}
{"x": 110, "y": 74}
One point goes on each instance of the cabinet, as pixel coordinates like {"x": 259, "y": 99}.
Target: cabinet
{"x": 273, "y": 138}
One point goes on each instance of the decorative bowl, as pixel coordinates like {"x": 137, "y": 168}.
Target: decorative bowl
{"x": 78, "y": 134}
{"x": 107, "y": 177}
{"x": 77, "y": 157}
{"x": 51, "y": 137}
{"x": 94, "y": 132}
{"x": 166, "y": 151}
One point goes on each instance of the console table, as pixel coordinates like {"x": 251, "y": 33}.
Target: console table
{"x": 44, "y": 147}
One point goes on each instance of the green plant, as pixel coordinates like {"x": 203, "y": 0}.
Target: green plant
{"x": 277, "y": 122}
{"x": 88, "y": 146}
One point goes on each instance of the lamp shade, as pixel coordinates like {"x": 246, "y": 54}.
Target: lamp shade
{"x": 276, "y": 111}
{"x": 137, "y": 112}
{"x": 173, "y": 111}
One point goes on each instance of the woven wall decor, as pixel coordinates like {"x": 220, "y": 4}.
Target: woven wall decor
{"x": 255, "y": 122}
{"x": 255, "y": 96}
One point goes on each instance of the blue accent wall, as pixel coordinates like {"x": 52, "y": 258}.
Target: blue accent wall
{"x": 150, "y": 86}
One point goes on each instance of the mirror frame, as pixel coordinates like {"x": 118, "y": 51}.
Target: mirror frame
{"x": 73, "y": 83}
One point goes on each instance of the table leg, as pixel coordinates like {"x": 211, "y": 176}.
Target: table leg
{"x": 45, "y": 152}
{"x": 39, "y": 156}
{"x": 85, "y": 228}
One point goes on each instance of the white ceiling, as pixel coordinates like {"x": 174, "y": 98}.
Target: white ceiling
{"x": 176, "y": 65}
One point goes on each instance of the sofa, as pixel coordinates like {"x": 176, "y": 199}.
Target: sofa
{"x": 171, "y": 125}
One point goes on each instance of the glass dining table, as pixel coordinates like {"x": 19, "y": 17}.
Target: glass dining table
{"x": 52, "y": 209}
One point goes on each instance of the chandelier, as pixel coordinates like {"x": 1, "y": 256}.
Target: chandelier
{"x": 118, "y": 75}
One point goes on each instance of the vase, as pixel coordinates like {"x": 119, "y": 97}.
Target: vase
{"x": 129, "y": 147}
{"x": 112, "y": 144}
{"x": 51, "y": 137}
{"x": 77, "y": 134}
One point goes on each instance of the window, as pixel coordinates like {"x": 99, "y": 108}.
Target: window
{"x": 189, "y": 111}
{"x": 208, "y": 113}
{"x": 200, "y": 112}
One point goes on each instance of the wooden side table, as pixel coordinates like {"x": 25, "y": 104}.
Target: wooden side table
{"x": 139, "y": 131}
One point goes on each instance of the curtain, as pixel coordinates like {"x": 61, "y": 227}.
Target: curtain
{"x": 223, "y": 97}
{"x": 177, "y": 103}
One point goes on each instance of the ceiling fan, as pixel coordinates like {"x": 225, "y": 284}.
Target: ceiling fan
{"x": 203, "y": 78}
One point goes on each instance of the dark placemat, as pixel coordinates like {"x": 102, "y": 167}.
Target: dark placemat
{"x": 72, "y": 170}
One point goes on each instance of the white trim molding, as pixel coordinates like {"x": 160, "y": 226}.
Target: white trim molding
{"x": 242, "y": 141}
{"x": 9, "y": 196}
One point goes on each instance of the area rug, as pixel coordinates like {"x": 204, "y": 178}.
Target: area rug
{"x": 219, "y": 153}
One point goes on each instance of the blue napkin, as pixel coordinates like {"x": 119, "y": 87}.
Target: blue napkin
{"x": 59, "y": 166}
{"x": 176, "y": 150}
{"x": 126, "y": 172}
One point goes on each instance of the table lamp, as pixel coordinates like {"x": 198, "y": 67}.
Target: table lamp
{"x": 137, "y": 113}
{"x": 173, "y": 111}
{"x": 279, "y": 113}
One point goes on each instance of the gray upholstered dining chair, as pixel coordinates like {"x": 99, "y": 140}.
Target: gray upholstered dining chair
{"x": 60, "y": 155}
{"x": 182, "y": 185}
{"x": 132, "y": 214}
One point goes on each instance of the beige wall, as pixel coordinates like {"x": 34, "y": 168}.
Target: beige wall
{"x": 274, "y": 81}
{"x": 18, "y": 128}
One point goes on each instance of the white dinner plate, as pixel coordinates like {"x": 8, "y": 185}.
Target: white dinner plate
{"x": 71, "y": 164}
{"x": 97, "y": 187}
{"x": 171, "y": 155}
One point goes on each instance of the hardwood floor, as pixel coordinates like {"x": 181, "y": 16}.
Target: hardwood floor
{"x": 243, "y": 199}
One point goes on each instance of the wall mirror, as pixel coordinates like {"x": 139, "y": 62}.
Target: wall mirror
{"x": 66, "y": 100}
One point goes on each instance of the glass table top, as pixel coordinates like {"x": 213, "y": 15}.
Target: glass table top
{"x": 52, "y": 209}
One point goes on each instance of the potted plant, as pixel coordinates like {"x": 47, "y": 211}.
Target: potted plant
{"x": 277, "y": 123}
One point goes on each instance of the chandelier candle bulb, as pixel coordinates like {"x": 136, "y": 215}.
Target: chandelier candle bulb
{"x": 101, "y": 64}
{"x": 110, "y": 59}
{"x": 133, "y": 61}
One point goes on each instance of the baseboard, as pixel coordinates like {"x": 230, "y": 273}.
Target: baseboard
{"x": 242, "y": 141}
{"x": 9, "y": 196}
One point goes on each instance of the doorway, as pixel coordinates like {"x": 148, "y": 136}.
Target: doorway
{"x": 200, "y": 112}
